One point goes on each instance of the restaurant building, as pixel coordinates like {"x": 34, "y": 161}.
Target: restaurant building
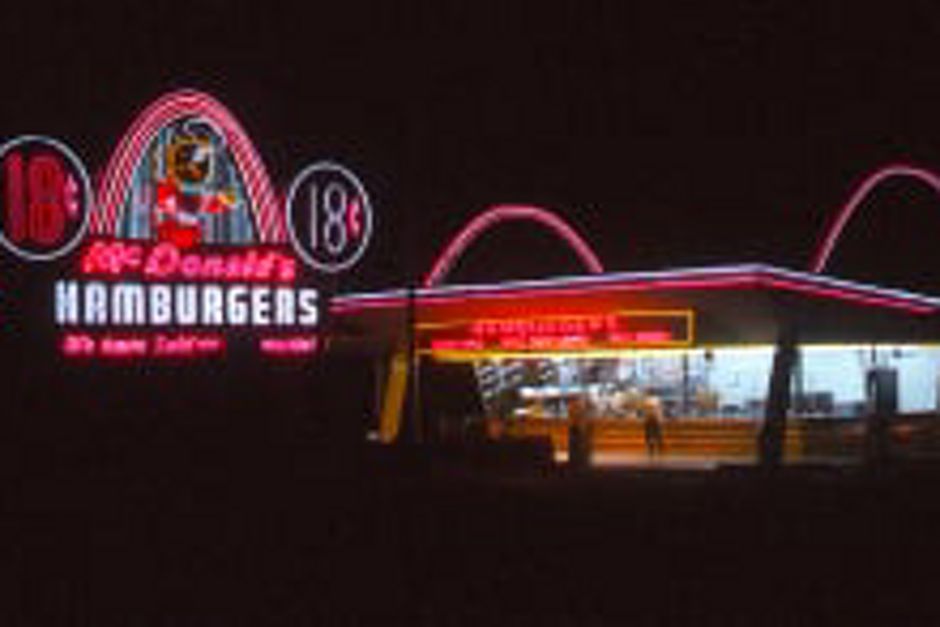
{"x": 701, "y": 342}
{"x": 185, "y": 255}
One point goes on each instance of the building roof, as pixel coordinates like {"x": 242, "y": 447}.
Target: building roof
{"x": 732, "y": 304}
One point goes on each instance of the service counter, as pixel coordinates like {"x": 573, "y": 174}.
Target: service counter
{"x": 730, "y": 439}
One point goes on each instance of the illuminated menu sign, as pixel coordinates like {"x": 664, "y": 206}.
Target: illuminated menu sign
{"x": 559, "y": 334}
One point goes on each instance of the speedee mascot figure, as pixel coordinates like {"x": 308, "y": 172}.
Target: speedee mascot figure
{"x": 187, "y": 191}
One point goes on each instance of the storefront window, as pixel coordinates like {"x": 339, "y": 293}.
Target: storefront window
{"x": 836, "y": 381}
{"x": 829, "y": 382}
{"x": 721, "y": 382}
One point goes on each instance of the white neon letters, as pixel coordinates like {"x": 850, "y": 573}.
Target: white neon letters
{"x": 334, "y": 208}
{"x": 236, "y": 307}
{"x": 160, "y": 305}
{"x": 329, "y": 217}
{"x": 185, "y": 301}
{"x": 127, "y": 303}
{"x": 260, "y": 306}
{"x": 284, "y": 309}
{"x": 66, "y": 302}
{"x": 309, "y": 313}
{"x": 131, "y": 304}
{"x": 212, "y": 311}
{"x": 96, "y": 304}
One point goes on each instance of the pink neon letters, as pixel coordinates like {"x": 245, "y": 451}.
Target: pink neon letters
{"x": 289, "y": 346}
{"x": 165, "y": 261}
{"x": 142, "y": 345}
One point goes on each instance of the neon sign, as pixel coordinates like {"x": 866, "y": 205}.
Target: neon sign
{"x": 187, "y": 190}
{"x": 45, "y": 198}
{"x": 95, "y": 303}
{"x": 505, "y": 213}
{"x": 329, "y": 217}
{"x": 290, "y": 346}
{"x": 867, "y": 186}
{"x": 180, "y": 118}
{"x": 144, "y": 289}
{"x": 613, "y": 331}
{"x": 165, "y": 261}
{"x": 190, "y": 241}
{"x": 159, "y": 345}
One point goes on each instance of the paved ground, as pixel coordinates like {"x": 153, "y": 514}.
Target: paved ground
{"x": 615, "y": 459}
{"x": 269, "y": 533}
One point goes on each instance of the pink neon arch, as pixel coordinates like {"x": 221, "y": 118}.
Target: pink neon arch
{"x": 117, "y": 175}
{"x": 504, "y": 213}
{"x": 824, "y": 251}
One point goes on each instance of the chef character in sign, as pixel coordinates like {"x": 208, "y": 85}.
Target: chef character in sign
{"x": 187, "y": 192}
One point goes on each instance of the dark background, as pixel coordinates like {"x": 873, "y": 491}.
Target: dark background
{"x": 670, "y": 136}
{"x": 232, "y": 493}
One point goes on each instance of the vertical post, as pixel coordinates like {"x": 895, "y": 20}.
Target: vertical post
{"x": 394, "y": 393}
{"x": 412, "y": 432}
{"x": 686, "y": 392}
{"x": 418, "y": 147}
{"x": 799, "y": 388}
{"x": 881, "y": 388}
{"x": 378, "y": 390}
{"x": 773, "y": 431}
{"x": 415, "y": 428}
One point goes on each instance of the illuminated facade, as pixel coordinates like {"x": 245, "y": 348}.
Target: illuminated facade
{"x": 186, "y": 250}
{"x": 701, "y": 340}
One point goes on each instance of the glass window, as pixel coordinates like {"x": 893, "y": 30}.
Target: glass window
{"x": 715, "y": 382}
{"x": 834, "y": 380}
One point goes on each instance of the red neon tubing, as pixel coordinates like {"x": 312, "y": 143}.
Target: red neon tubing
{"x": 505, "y": 213}
{"x": 117, "y": 175}
{"x": 824, "y": 251}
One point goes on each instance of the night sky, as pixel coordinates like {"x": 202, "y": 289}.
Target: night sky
{"x": 668, "y": 136}
{"x": 701, "y": 133}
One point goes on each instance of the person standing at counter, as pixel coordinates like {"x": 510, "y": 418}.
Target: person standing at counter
{"x": 652, "y": 413}
{"x": 579, "y": 433}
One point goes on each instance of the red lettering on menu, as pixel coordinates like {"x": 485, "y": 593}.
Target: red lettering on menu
{"x": 565, "y": 333}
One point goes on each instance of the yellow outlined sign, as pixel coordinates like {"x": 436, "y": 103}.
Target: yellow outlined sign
{"x": 557, "y": 334}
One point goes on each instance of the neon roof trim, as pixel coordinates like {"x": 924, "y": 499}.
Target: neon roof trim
{"x": 714, "y": 277}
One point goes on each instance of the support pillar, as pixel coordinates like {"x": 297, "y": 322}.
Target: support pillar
{"x": 773, "y": 431}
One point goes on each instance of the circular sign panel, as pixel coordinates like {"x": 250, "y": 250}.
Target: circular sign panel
{"x": 45, "y": 198}
{"x": 329, "y": 216}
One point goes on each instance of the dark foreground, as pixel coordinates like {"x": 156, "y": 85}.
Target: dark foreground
{"x": 268, "y": 532}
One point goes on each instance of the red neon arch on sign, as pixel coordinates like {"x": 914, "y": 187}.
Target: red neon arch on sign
{"x": 824, "y": 251}
{"x": 504, "y": 213}
{"x": 117, "y": 175}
